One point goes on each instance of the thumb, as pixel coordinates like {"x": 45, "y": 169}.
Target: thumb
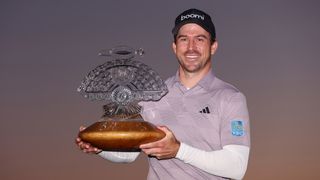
{"x": 82, "y": 128}
{"x": 165, "y": 129}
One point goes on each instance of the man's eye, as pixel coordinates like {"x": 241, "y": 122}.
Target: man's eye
{"x": 200, "y": 39}
{"x": 183, "y": 39}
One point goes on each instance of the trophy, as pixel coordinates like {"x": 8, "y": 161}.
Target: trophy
{"x": 122, "y": 83}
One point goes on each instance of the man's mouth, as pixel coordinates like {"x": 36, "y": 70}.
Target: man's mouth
{"x": 192, "y": 56}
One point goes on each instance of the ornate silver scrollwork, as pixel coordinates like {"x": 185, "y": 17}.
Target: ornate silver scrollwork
{"x": 122, "y": 82}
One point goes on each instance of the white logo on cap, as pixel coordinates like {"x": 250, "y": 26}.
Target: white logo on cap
{"x": 196, "y": 16}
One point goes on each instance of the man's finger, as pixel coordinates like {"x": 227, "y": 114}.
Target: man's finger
{"x": 152, "y": 151}
{"x": 163, "y": 128}
{"x": 78, "y": 140}
{"x": 82, "y": 128}
{"x": 150, "y": 145}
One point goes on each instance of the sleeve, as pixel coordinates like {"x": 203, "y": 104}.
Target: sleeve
{"x": 234, "y": 115}
{"x": 119, "y": 157}
{"x": 229, "y": 162}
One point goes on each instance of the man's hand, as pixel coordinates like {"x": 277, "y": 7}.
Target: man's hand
{"x": 163, "y": 149}
{"x": 86, "y": 147}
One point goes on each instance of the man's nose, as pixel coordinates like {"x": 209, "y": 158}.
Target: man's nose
{"x": 191, "y": 44}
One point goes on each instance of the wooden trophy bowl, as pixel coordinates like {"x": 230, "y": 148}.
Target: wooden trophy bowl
{"x": 117, "y": 135}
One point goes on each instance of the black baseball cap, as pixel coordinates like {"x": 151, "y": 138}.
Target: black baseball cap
{"x": 195, "y": 16}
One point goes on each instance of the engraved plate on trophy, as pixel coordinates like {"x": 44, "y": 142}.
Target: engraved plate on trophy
{"x": 121, "y": 83}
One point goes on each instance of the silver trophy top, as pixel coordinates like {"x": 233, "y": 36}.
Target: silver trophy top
{"x": 122, "y": 82}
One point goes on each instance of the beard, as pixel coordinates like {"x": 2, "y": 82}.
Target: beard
{"x": 190, "y": 68}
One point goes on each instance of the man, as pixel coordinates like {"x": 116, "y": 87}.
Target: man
{"x": 205, "y": 119}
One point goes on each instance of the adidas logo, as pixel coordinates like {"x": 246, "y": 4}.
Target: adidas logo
{"x": 205, "y": 110}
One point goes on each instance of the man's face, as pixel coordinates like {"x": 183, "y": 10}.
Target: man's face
{"x": 193, "y": 48}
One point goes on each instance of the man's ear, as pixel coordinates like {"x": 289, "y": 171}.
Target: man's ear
{"x": 174, "y": 47}
{"x": 214, "y": 47}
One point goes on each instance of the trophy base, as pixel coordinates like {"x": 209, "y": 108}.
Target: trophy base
{"x": 115, "y": 135}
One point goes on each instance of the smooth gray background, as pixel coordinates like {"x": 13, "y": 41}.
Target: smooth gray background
{"x": 268, "y": 49}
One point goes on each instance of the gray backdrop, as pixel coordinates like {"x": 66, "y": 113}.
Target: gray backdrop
{"x": 268, "y": 49}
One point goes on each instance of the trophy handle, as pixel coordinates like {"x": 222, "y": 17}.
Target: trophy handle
{"x": 122, "y": 52}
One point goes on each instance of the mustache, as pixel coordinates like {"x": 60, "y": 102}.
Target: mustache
{"x": 192, "y": 52}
